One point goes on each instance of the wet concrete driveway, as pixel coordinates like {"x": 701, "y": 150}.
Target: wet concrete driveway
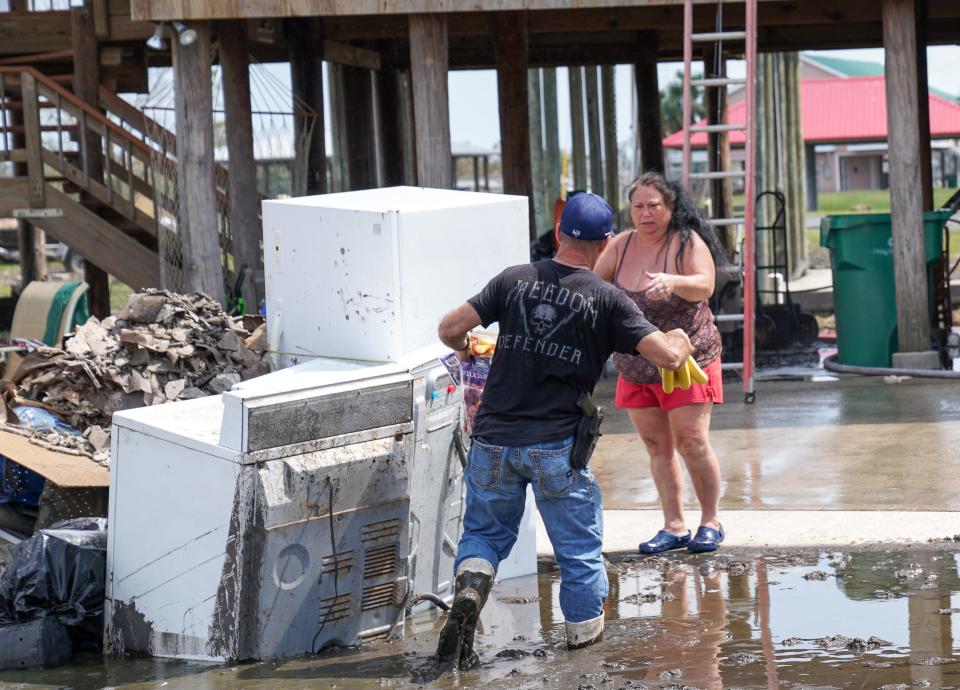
{"x": 854, "y": 444}
{"x": 796, "y": 619}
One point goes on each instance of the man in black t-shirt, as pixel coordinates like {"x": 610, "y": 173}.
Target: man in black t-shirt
{"x": 558, "y": 324}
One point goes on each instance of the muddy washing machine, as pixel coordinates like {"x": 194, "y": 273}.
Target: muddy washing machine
{"x": 306, "y": 507}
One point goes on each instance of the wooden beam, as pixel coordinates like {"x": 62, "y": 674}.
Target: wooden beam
{"x": 906, "y": 197}
{"x": 534, "y": 113}
{"x": 798, "y": 255}
{"x": 429, "y": 50}
{"x": 578, "y": 130}
{"x": 593, "y": 129}
{"x": 306, "y": 76}
{"x": 99, "y": 241}
{"x": 649, "y": 124}
{"x": 32, "y": 140}
{"x": 34, "y": 32}
{"x": 13, "y": 190}
{"x": 58, "y": 56}
{"x": 358, "y": 130}
{"x": 409, "y": 131}
{"x": 551, "y": 135}
{"x": 611, "y": 150}
{"x": 101, "y": 18}
{"x": 346, "y": 54}
{"x": 197, "y": 225}
{"x": 244, "y": 205}
{"x": 340, "y": 177}
{"x": 511, "y": 47}
{"x": 86, "y": 81}
{"x": 392, "y": 125}
{"x": 611, "y": 12}
{"x": 923, "y": 111}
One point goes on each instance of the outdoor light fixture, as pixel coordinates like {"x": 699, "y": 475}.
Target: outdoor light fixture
{"x": 187, "y": 36}
{"x": 156, "y": 41}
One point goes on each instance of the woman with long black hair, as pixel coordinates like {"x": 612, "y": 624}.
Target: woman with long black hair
{"x": 667, "y": 265}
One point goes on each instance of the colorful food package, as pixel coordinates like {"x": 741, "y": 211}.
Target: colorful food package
{"x": 472, "y": 376}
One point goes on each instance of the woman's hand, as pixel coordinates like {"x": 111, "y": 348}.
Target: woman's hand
{"x": 661, "y": 285}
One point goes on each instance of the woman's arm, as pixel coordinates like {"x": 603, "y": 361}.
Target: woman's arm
{"x": 696, "y": 282}
{"x": 606, "y": 265}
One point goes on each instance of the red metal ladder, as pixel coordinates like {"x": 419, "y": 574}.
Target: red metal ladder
{"x": 747, "y": 254}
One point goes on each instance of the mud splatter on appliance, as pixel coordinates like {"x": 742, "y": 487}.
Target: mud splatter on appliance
{"x": 304, "y": 507}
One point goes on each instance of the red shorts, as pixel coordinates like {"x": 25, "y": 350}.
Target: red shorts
{"x": 638, "y": 395}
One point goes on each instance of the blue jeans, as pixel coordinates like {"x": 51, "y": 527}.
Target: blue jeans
{"x": 568, "y": 501}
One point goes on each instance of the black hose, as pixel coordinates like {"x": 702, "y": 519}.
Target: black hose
{"x": 432, "y": 598}
{"x": 831, "y": 364}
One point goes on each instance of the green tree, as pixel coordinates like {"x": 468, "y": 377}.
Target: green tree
{"x": 671, "y": 104}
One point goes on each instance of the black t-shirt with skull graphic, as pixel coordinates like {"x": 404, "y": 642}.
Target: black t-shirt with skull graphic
{"x": 558, "y": 326}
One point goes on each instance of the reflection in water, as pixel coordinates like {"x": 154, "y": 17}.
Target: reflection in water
{"x": 844, "y": 619}
{"x": 695, "y": 649}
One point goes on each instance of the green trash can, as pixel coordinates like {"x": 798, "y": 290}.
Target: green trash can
{"x": 865, "y": 305}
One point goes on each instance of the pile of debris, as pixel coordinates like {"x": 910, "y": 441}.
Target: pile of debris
{"x": 160, "y": 347}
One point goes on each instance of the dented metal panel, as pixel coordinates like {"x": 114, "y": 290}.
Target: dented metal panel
{"x": 334, "y": 545}
{"x": 285, "y": 419}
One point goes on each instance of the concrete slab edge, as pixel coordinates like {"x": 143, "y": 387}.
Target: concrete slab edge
{"x": 624, "y": 529}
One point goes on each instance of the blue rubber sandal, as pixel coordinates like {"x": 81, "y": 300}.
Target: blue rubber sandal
{"x": 664, "y": 541}
{"x": 706, "y": 540}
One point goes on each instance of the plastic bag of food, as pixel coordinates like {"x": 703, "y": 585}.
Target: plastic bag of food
{"x": 471, "y": 376}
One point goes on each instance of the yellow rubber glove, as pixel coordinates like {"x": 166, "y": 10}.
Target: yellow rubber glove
{"x": 683, "y": 377}
{"x": 667, "y": 376}
{"x": 698, "y": 374}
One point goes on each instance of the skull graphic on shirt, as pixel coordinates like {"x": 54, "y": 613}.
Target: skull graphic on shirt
{"x": 542, "y": 318}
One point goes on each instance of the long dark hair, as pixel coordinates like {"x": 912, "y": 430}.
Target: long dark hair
{"x": 685, "y": 217}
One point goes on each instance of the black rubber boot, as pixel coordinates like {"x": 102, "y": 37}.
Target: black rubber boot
{"x": 455, "y": 647}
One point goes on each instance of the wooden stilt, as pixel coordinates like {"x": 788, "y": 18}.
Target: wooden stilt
{"x": 511, "y": 49}
{"x": 906, "y": 195}
{"x": 577, "y": 119}
{"x": 306, "y": 77}
{"x": 551, "y": 136}
{"x": 197, "y": 213}
{"x": 244, "y": 209}
{"x": 611, "y": 150}
{"x": 536, "y": 151}
{"x": 648, "y": 114}
{"x": 86, "y": 81}
{"x": 593, "y": 129}
{"x": 359, "y": 133}
{"x": 429, "y": 51}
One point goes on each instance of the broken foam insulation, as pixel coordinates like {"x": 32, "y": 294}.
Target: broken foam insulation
{"x": 160, "y": 347}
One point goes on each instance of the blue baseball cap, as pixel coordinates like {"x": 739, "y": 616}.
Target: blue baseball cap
{"x": 587, "y": 216}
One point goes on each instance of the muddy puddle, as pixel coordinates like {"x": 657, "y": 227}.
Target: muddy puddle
{"x": 863, "y": 619}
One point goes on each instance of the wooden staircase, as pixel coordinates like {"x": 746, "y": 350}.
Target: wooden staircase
{"x": 103, "y": 183}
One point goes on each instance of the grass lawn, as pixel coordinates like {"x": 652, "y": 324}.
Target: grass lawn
{"x": 118, "y": 295}
{"x": 858, "y": 201}
{"x": 878, "y": 201}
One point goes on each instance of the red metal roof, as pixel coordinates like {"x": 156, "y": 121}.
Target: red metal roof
{"x": 842, "y": 110}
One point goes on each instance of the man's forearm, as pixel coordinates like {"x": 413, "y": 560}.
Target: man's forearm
{"x": 666, "y": 350}
{"x": 455, "y": 326}
{"x": 455, "y": 341}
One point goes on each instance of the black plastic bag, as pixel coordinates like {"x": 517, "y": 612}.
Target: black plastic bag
{"x": 60, "y": 571}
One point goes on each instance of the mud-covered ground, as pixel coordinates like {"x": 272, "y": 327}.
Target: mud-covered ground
{"x": 798, "y": 619}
